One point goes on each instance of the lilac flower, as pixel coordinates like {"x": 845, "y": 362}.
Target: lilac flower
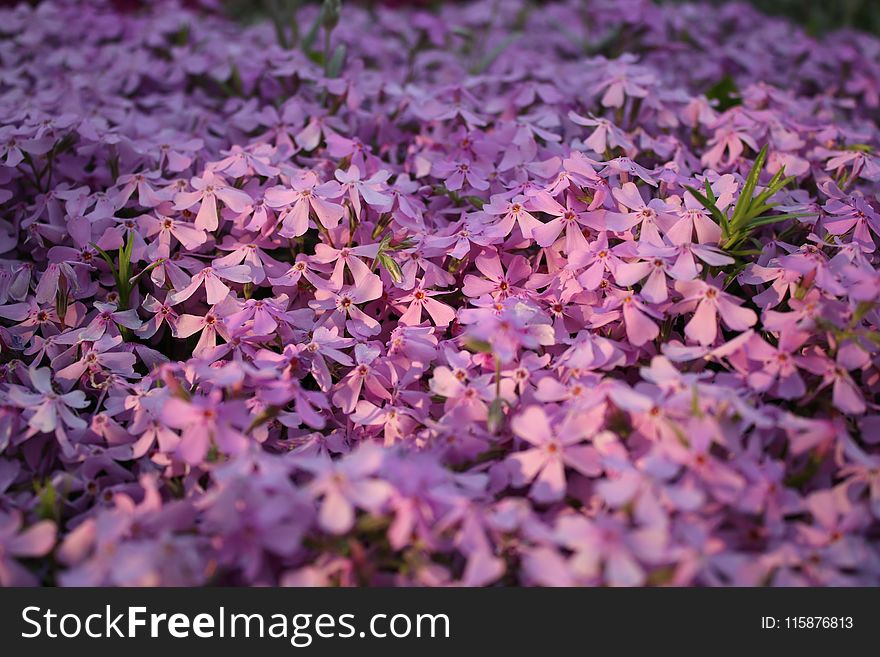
{"x": 346, "y": 485}
{"x": 208, "y": 190}
{"x": 48, "y": 411}
{"x": 710, "y": 303}
{"x": 35, "y": 541}
{"x": 212, "y": 279}
{"x": 471, "y": 316}
{"x": 305, "y": 193}
{"x": 544, "y": 463}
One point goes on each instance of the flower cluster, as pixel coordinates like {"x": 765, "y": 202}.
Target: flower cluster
{"x": 507, "y": 293}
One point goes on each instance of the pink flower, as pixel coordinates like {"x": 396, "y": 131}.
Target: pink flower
{"x": 569, "y": 218}
{"x": 364, "y": 374}
{"x": 209, "y": 325}
{"x": 162, "y": 314}
{"x": 166, "y": 228}
{"x": 499, "y": 283}
{"x": 345, "y": 485}
{"x": 215, "y": 289}
{"x": 778, "y": 369}
{"x": 605, "y": 136}
{"x": 346, "y": 258}
{"x": 35, "y": 541}
{"x": 209, "y": 188}
{"x": 636, "y": 316}
{"x": 727, "y": 139}
{"x": 711, "y": 302}
{"x": 552, "y": 450}
{"x": 455, "y": 174}
{"x": 49, "y": 411}
{"x": 513, "y": 212}
{"x": 305, "y": 193}
{"x": 651, "y": 217}
{"x": 326, "y": 343}
{"x": 102, "y": 354}
{"x": 206, "y": 420}
{"x": 420, "y": 299}
{"x": 369, "y": 189}
{"x": 341, "y": 308}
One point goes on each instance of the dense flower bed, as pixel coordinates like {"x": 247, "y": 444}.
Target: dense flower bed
{"x": 579, "y": 293}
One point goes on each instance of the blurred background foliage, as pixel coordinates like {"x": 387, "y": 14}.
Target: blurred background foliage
{"x": 816, "y": 16}
{"x": 819, "y": 16}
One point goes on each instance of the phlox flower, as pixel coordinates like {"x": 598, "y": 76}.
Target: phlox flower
{"x": 369, "y": 189}
{"x": 346, "y": 485}
{"x": 364, "y": 375}
{"x": 305, "y": 193}
{"x": 710, "y": 303}
{"x": 341, "y": 308}
{"x": 46, "y": 410}
{"x": 551, "y": 451}
{"x": 420, "y": 299}
{"x": 208, "y": 190}
{"x": 205, "y": 421}
{"x": 212, "y": 279}
{"x": 35, "y": 541}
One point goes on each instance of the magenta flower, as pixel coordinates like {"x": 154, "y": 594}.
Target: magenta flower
{"x": 35, "y": 541}
{"x": 637, "y": 318}
{"x": 208, "y": 190}
{"x": 340, "y": 308}
{"x": 420, "y": 299}
{"x": 101, "y": 355}
{"x": 212, "y": 279}
{"x": 365, "y": 375}
{"x": 46, "y": 410}
{"x": 305, "y": 193}
{"x": 346, "y": 485}
{"x": 513, "y": 212}
{"x": 205, "y": 421}
{"x": 711, "y": 303}
{"x": 569, "y": 218}
{"x": 778, "y": 366}
{"x": 651, "y": 217}
{"x": 326, "y": 343}
{"x": 499, "y": 283}
{"x": 369, "y": 189}
{"x": 166, "y": 228}
{"x": 551, "y": 451}
{"x": 455, "y": 174}
{"x": 604, "y": 136}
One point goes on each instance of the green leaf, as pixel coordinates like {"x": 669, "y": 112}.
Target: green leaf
{"x": 407, "y": 243}
{"x": 771, "y": 190}
{"x": 334, "y": 66}
{"x": 772, "y": 219}
{"x": 107, "y": 259}
{"x": 483, "y": 65}
{"x": 312, "y": 34}
{"x": 709, "y": 205}
{"x": 478, "y": 346}
{"x": 48, "y": 506}
{"x": 134, "y": 279}
{"x": 748, "y": 190}
{"x": 495, "y": 419}
{"x": 709, "y": 193}
{"x": 125, "y": 258}
{"x": 391, "y": 266}
{"x": 725, "y": 92}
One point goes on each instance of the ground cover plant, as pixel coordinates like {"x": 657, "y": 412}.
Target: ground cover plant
{"x": 490, "y": 293}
